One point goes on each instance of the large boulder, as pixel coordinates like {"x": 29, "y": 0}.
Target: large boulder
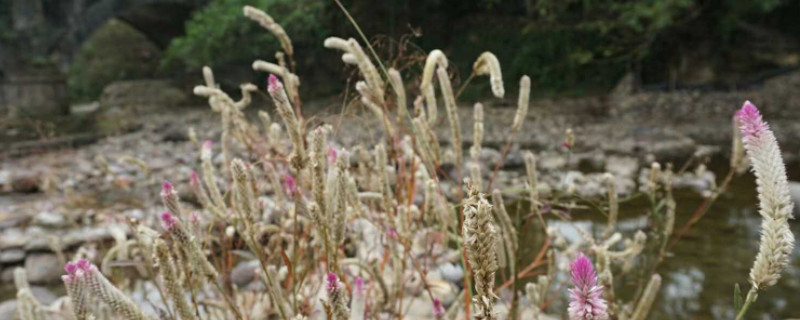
{"x": 144, "y": 95}
{"x": 43, "y": 268}
{"x": 122, "y": 102}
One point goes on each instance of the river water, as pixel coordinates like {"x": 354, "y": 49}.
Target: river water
{"x": 699, "y": 274}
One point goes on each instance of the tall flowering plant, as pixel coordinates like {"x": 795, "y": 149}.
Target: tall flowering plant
{"x": 775, "y": 204}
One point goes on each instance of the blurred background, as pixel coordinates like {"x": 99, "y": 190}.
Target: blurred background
{"x": 568, "y": 47}
{"x": 636, "y": 79}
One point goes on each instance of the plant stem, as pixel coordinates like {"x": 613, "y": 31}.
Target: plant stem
{"x": 464, "y": 86}
{"x": 364, "y": 38}
{"x": 751, "y": 297}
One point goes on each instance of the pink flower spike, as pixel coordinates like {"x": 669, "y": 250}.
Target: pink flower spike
{"x": 290, "y": 183}
{"x": 273, "y": 84}
{"x": 391, "y": 233}
{"x": 168, "y": 221}
{"x": 84, "y": 264}
{"x": 751, "y": 122}
{"x": 583, "y": 272}
{"x": 438, "y": 309}
{"x": 358, "y": 288}
{"x": 333, "y": 282}
{"x": 333, "y": 155}
{"x": 194, "y": 179}
{"x": 71, "y": 268}
{"x": 167, "y": 188}
{"x": 208, "y": 144}
{"x": 194, "y": 217}
{"x": 585, "y": 301}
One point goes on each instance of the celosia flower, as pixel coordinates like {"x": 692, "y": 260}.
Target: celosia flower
{"x": 194, "y": 217}
{"x": 167, "y": 188}
{"x": 332, "y": 155}
{"x": 194, "y": 179}
{"x": 168, "y": 221}
{"x": 291, "y": 184}
{"x": 76, "y": 290}
{"x": 333, "y": 282}
{"x": 273, "y": 84}
{"x": 775, "y": 204}
{"x": 438, "y": 309}
{"x": 585, "y": 300}
{"x": 391, "y": 233}
{"x": 85, "y": 278}
{"x": 336, "y": 297}
{"x": 70, "y": 268}
{"x": 170, "y": 198}
{"x": 358, "y": 302}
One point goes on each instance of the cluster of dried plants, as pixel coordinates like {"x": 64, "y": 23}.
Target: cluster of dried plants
{"x": 372, "y": 232}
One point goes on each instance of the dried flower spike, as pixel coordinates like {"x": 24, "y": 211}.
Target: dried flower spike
{"x": 268, "y": 23}
{"x": 101, "y": 288}
{"x": 487, "y": 64}
{"x": 522, "y": 103}
{"x": 170, "y": 198}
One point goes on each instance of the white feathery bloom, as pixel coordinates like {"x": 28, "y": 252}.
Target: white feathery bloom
{"x": 268, "y": 23}
{"x": 487, "y": 64}
{"x": 775, "y": 204}
{"x": 435, "y": 58}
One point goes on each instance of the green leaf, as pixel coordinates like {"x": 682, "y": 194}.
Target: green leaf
{"x": 737, "y": 298}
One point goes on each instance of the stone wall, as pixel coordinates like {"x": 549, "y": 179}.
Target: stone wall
{"x": 34, "y": 96}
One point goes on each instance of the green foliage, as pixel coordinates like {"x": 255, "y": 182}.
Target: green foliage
{"x": 5, "y": 20}
{"x": 114, "y": 52}
{"x": 218, "y": 34}
{"x": 612, "y": 30}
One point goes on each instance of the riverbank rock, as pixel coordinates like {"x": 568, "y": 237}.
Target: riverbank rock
{"x": 50, "y": 220}
{"x": 245, "y": 272}
{"x": 8, "y": 309}
{"x": 142, "y": 95}
{"x": 25, "y": 181}
{"x": 13, "y": 255}
{"x": 43, "y": 268}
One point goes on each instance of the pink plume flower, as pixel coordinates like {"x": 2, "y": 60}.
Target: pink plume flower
{"x": 332, "y": 155}
{"x": 167, "y": 188}
{"x": 84, "y": 264}
{"x": 391, "y": 233}
{"x": 438, "y": 309}
{"x": 273, "y": 84}
{"x": 290, "y": 183}
{"x": 208, "y": 144}
{"x": 585, "y": 301}
{"x": 752, "y": 124}
{"x": 194, "y": 217}
{"x": 194, "y": 179}
{"x": 71, "y": 268}
{"x": 333, "y": 282}
{"x": 168, "y": 220}
{"x": 358, "y": 288}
